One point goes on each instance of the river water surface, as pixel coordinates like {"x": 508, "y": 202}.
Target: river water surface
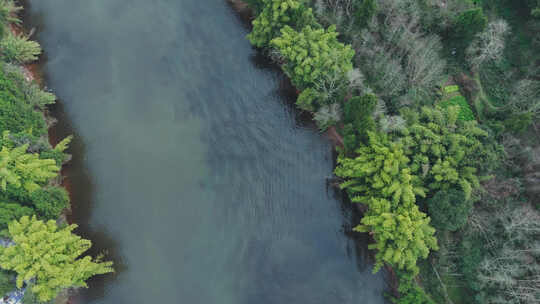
{"x": 191, "y": 169}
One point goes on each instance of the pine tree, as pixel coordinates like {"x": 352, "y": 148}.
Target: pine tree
{"x": 49, "y": 255}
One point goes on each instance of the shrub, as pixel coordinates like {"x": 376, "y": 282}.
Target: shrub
{"x": 16, "y": 115}
{"x": 358, "y": 112}
{"x": 364, "y": 12}
{"x": 449, "y": 210}
{"x": 50, "y": 202}
{"x": 10, "y": 212}
{"x": 50, "y": 255}
{"x": 311, "y": 54}
{"x": 275, "y": 15}
{"x": 7, "y": 282}
{"x": 451, "y": 89}
{"x": 17, "y": 48}
{"x": 468, "y": 24}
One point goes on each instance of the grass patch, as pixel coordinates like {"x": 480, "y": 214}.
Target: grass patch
{"x": 465, "y": 112}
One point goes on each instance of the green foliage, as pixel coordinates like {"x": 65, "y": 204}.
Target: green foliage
{"x": 312, "y": 54}
{"x": 444, "y": 150}
{"x": 307, "y": 100}
{"x": 275, "y": 15}
{"x": 33, "y": 94}
{"x": 449, "y": 210}
{"x": 469, "y": 23}
{"x": 50, "y": 202}
{"x": 10, "y": 212}
{"x": 7, "y": 282}
{"x": 380, "y": 178}
{"x": 465, "y": 112}
{"x": 17, "y": 48}
{"x": 364, "y": 12}
{"x": 518, "y": 123}
{"x": 49, "y": 255}
{"x": 16, "y": 115}
{"x": 358, "y": 113}
{"x": 451, "y": 89}
{"x": 19, "y": 168}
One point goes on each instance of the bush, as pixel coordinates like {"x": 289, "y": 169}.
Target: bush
{"x": 313, "y": 54}
{"x": 358, "y": 112}
{"x": 275, "y": 15}
{"x": 50, "y": 202}
{"x": 17, "y": 48}
{"x": 365, "y": 12}
{"x": 16, "y": 115}
{"x": 10, "y": 212}
{"x": 449, "y": 210}
{"x": 7, "y": 282}
{"x": 468, "y": 24}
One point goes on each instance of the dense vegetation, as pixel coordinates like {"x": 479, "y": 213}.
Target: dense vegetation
{"x": 43, "y": 256}
{"x": 436, "y": 103}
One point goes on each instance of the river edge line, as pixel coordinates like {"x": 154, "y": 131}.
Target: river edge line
{"x": 33, "y": 72}
{"x": 246, "y": 15}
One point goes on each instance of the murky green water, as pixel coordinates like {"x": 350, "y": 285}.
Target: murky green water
{"x": 191, "y": 169}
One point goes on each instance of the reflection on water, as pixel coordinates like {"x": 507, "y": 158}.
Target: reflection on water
{"x": 191, "y": 168}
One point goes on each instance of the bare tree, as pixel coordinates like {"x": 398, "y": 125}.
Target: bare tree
{"x": 489, "y": 44}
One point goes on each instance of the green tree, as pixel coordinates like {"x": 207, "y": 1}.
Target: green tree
{"x": 10, "y": 212}
{"x": 275, "y": 15}
{"x": 19, "y": 49}
{"x": 49, "y": 255}
{"x": 449, "y": 209}
{"x": 311, "y": 54}
{"x": 16, "y": 115}
{"x": 50, "y": 202}
{"x": 467, "y": 25}
{"x": 444, "y": 151}
{"x": 380, "y": 178}
{"x": 364, "y": 12}
{"x": 24, "y": 169}
{"x": 358, "y": 113}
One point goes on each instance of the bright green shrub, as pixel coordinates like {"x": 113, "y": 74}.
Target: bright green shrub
{"x": 444, "y": 151}
{"x": 449, "y": 210}
{"x": 313, "y": 54}
{"x": 451, "y": 89}
{"x": 307, "y": 100}
{"x": 19, "y": 168}
{"x": 465, "y": 112}
{"x": 275, "y": 15}
{"x": 49, "y": 255}
{"x": 50, "y": 202}
{"x": 17, "y": 48}
{"x": 379, "y": 177}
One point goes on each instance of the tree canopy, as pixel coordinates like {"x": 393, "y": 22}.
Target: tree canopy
{"x": 50, "y": 255}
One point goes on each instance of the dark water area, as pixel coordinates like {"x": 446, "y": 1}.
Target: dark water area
{"x": 191, "y": 168}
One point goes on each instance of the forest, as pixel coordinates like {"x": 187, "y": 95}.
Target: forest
{"x": 436, "y": 104}
{"x": 39, "y": 250}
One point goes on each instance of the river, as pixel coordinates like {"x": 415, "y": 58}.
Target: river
{"x": 191, "y": 168}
